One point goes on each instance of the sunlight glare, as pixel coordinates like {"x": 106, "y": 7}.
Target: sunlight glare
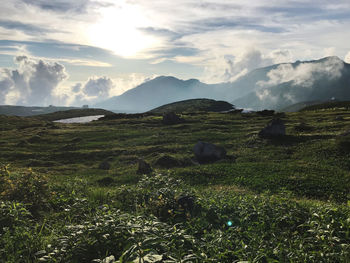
{"x": 117, "y": 30}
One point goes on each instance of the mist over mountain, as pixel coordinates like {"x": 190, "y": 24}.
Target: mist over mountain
{"x": 291, "y": 83}
{"x": 272, "y": 87}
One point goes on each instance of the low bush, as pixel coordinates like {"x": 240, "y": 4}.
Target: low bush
{"x": 24, "y": 186}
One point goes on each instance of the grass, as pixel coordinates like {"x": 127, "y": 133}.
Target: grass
{"x": 287, "y": 199}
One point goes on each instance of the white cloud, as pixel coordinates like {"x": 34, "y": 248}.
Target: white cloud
{"x": 347, "y": 57}
{"x": 304, "y": 74}
{"x": 330, "y": 51}
{"x": 222, "y": 32}
{"x": 32, "y": 83}
{"x": 98, "y": 87}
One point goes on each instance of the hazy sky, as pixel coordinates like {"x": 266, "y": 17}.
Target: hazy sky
{"x": 82, "y": 51}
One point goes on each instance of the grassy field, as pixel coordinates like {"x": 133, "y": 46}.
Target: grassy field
{"x": 271, "y": 200}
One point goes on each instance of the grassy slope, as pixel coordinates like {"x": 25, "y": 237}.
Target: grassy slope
{"x": 299, "y": 158}
{"x": 306, "y": 166}
{"x": 328, "y": 105}
{"x": 194, "y": 105}
{"x": 29, "y": 111}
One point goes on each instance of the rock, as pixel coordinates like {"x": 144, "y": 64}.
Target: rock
{"x": 171, "y": 118}
{"x": 186, "y": 202}
{"x": 105, "y": 181}
{"x": 104, "y": 166}
{"x": 167, "y": 161}
{"x": 275, "y": 128}
{"x": 144, "y": 167}
{"x": 207, "y": 152}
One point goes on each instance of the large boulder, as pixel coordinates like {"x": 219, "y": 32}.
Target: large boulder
{"x": 144, "y": 167}
{"x": 171, "y": 118}
{"x": 275, "y": 128}
{"x": 207, "y": 152}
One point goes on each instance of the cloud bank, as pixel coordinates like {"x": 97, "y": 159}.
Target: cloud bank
{"x": 299, "y": 80}
{"x": 33, "y": 83}
{"x": 304, "y": 74}
{"x": 39, "y": 82}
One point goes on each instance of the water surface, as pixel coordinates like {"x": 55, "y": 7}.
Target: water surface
{"x": 81, "y": 119}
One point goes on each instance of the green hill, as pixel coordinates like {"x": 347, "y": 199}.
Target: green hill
{"x": 194, "y": 105}
{"x": 30, "y": 111}
{"x": 328, "y": 105}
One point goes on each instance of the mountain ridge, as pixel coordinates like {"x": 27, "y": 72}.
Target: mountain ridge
{"x": 276, "y": 86}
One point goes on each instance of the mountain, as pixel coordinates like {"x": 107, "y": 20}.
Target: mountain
{"x": 291, "y": 83}
{"x": 194, "y": 105}
{"x": 274, "y": 87}
{"x": 157, "y": 92}
{"x": 300, "y": 105}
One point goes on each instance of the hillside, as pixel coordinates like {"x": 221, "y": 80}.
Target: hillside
{"x": 157, "y": 92}
{"x": 298, "y": 106}
{"x": 292, "y": 83}
{"x": 274, "y": 87}
{"x": 81, "y": 182}
{"x": 194, "y": 105}
{"x": 30, "y": 111}
{"x": 328, "y": 105}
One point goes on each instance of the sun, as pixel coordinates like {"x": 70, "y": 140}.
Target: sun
{"x": 118, "y": 30}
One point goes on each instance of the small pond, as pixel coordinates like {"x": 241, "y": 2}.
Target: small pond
{"x": 81, "y": 119}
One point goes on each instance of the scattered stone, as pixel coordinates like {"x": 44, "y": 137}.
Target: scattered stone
{"x": 104, "y": 166}
{"x": 105, "y": 181}
{"x": 167, "y": 161}
{"x": 171, "y": 118}
{"x": 186, "y": 202}
{"x": 207, "y": 152}
{"x": 274, "y": 128}
{"x": 144, "y": 167}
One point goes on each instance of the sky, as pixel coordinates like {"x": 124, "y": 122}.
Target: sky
{"x": 65, "y": 52}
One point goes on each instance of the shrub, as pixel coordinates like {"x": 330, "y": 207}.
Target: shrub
{"x": 26, "y": 187}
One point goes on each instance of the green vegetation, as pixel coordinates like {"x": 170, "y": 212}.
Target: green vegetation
{"x": 328, "y": 105}
{"x": 194, "y": 105}
{"x": 71, "y": 192}
{"x": 30, "y": 111}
